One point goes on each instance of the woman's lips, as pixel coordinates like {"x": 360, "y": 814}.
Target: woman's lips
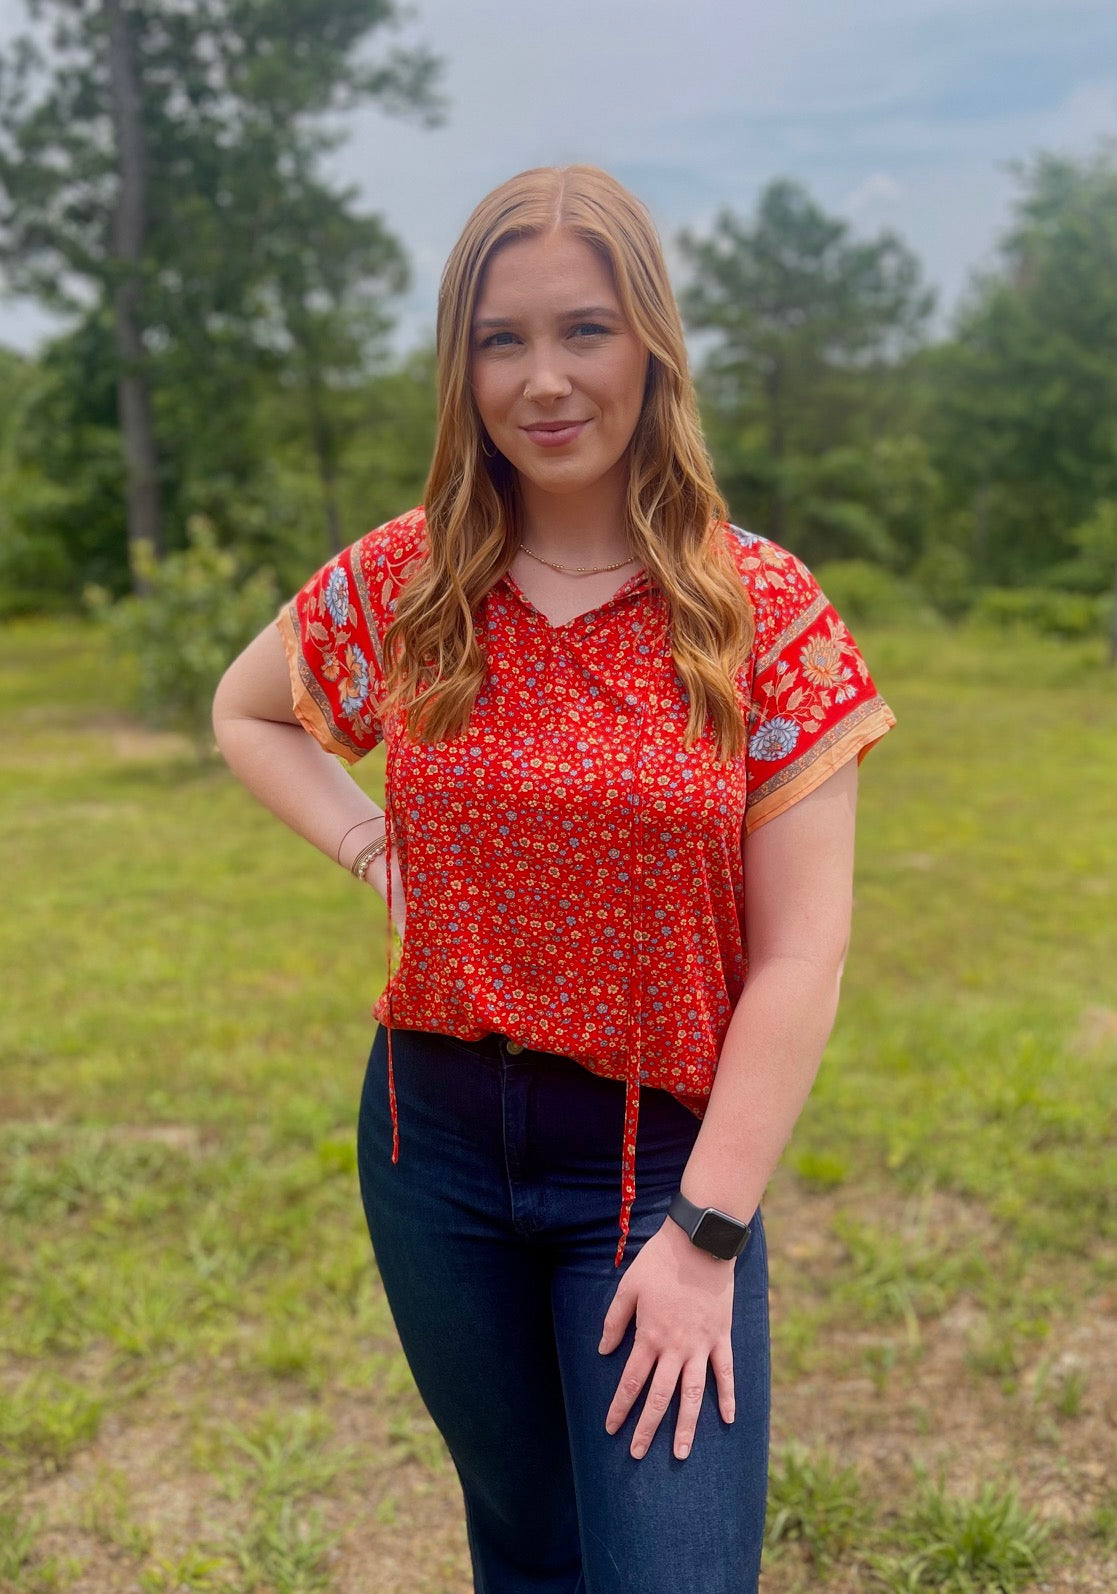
{"x": 555, "y": 436}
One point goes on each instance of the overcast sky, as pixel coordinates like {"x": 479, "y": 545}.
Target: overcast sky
{"x": 903, "y": 115}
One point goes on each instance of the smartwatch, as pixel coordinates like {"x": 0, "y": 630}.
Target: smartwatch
{"x": 711, "y": 1229}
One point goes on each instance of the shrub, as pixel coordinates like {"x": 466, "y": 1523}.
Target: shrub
{"x": 865, "y": 593}
{"x": 944, "y": 575}
{"x": 1044, "y": 609}
{"x": 196, "y": 617}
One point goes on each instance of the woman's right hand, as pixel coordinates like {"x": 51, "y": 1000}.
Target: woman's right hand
{"x": 377, "y": 876}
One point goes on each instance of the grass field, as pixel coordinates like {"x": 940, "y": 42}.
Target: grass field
{"x": 200, "y": 1383}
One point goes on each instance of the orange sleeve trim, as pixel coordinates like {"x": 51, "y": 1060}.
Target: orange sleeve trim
{"x": 857, "y": 741}
{"x": 308, "y": 712}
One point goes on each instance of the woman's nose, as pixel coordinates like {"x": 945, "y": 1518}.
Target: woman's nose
{"x": 546, "y": 379}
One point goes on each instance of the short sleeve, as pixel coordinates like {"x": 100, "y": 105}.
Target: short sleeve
{"x": 331, "y": 638}
{"x": 813, "y": 703}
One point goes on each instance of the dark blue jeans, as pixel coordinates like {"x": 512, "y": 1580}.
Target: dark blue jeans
{"x": 495, "y": 1234}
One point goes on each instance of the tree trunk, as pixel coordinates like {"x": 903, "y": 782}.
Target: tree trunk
{"x": 129, "y": 229}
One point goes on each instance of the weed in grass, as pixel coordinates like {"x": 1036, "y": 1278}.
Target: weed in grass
{"x": 282, "y": 1549}
{"x": 996, "y": 1347}
{"x": 898, "y": 1275}
{"x": 1103, "y": 1521}
{"x": 879, "y": 1361}
{"x": 795, "y": 1342}
{"x": 17, "y": 1540}
{"x": 814, "y": 1502}
{"x": 286, "y": 1457}
{"x": 397, "y": 1383}
{"x": 415, "y": 1438}
{"x": 197, "y": 1572}
{"x": 820, "y": 1170}
{"x": 105, "y": 1512}
{"x": 989, "y": 1544}
{"x": 993, "y": 1353}
{"x": 1062, "y": 1384}
{"x": 338, "y": 1157}
{"x": 387, "y": 1510}
{"x": 46, "y": 1419}
{"x": 284, "y": 1351}
{"x": 1072, "y": 1387}
{"x": 20, "y": 1571}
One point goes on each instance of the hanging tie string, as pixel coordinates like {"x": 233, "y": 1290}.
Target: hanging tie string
{"x": 635, "y": 1049}
{"x": 391, "y": 744}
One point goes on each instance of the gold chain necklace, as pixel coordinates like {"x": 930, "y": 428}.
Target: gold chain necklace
{"x": 577, "y": 570}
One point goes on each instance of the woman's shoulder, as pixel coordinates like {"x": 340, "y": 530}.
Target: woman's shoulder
{"x": 384, "y": 557}
{"x": 762, "y": 562}
{"x": 779, "y": 584}
{"x": 400, "y": 539}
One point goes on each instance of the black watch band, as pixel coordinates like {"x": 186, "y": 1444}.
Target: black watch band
{"x": 711, "y": 1229}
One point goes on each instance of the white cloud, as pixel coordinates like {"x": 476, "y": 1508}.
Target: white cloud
{"x": 879, "y": 189}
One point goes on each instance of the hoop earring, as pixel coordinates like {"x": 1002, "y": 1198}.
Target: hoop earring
{"x": 485, "y": 451}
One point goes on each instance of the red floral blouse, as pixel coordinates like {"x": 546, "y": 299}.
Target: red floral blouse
{"x": 525, "y": 842}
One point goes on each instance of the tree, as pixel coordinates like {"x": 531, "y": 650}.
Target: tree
{"x": 152, "y": 165}
{"x": 1026, "y": 423}
{"x": 804, "y": 316}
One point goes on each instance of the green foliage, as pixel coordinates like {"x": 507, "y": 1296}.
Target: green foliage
{"x": 805, "y": 318}
{"x": 945, "y": 575}
{"x": 814, "y": 1502}
{"x": 1043, "y": 609}
{"x": 197, "y": 616}
{"x": 45, "y": 1419}
{"x": 985, "y": 1545}
{"x": 1028, "y": 387}
{"x": 245, "y": 273}
{"x": 864, "y": 594}
{"x": 1093, "y": 567}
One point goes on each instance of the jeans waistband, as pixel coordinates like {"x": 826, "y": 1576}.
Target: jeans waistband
{"x": 499, "y": 1048}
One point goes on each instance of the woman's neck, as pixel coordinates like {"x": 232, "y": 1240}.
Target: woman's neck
{"x": 579, "y": 528}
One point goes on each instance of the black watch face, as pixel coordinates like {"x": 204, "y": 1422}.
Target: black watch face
{"x": 717, "y": 1235}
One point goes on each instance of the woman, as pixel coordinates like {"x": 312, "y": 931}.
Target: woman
{"x": 604, "y": 709}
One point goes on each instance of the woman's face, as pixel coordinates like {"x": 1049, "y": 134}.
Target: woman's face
{"x": 558, "y": 374}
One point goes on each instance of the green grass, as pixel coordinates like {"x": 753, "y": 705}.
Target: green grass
{"x": 182, "y": 1252}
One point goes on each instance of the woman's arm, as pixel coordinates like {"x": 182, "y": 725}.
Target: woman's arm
{"x": 798, "y": 906}
{"x": 798, "y": 892}
{"x": 263, "y": 743}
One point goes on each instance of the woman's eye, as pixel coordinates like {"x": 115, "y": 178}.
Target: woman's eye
{"x": 590, "y": 328}
{"x": 492, "y": 341}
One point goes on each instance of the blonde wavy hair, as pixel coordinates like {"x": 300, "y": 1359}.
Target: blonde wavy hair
{"x": 434, "y": 664}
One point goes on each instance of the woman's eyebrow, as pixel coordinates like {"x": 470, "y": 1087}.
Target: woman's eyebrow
{"x": 585, "y": 314}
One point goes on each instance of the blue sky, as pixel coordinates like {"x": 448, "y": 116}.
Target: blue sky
{"x": 903, "y": 116}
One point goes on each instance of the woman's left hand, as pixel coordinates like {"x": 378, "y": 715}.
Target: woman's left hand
{"x": 683, "y": 1301}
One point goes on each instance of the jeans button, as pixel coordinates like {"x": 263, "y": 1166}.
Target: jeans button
{"x": 514, "y": 1047}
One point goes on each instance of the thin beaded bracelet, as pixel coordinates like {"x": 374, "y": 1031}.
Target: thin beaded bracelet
{"x": 352, "y": 828}
{"x": 360, "y": 863}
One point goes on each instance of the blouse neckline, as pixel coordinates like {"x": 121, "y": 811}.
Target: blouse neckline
{"x": 634, "y": 581}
